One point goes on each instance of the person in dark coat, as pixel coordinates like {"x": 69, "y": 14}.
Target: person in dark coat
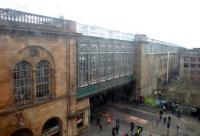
{"x": 101, "y": 127}
{"x": 117, "y": 123}
{"x": 132, "y": 126}
{"x": 98, "y": 121}
{"x": 113, "y": 131}
{"x": 165, "y": 119}
{"x": 169, "y": 118}
{"x": 117, "y": 129}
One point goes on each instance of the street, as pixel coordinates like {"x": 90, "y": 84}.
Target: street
{"x": 145, "y": 116}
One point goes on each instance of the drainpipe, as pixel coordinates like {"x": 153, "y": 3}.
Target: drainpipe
{"x": 68, "y": 82}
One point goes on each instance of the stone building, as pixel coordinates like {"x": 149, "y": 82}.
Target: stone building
{"x": 190, "y": 65}
{"x": 51, "y": 68}
{"x": 38, "y": 76}
{"x": 155, "y": 61}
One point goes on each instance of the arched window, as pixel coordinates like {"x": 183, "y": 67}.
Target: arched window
{"x": 23, "y": 81}
{"x": 43, "y": 79}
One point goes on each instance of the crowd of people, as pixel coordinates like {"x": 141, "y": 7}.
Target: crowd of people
{"x": 166, "y": 121}
{"x": 134, "y": 131}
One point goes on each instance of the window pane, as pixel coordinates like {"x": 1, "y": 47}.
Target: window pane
{"x": 23, "y": 81}
{"x": 42, "y": 79}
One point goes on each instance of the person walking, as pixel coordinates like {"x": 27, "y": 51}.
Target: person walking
{"x": 113, "y": 131}
{"x": 101, "y": 127}
{"x": 160, "y": 117}
{"x": 109, "y": 120}
{"x": 132, "y": 133}
{"x": 157, "y": 121}
{"x": 132, "y": 126}
{"x": 117, "y": 122}
{"x": 165, "y": 119}
{"x": 169, "y": 119}
{"x": 117, "y": 129}
{"x": 177, "y": 129}
{"x": 98, "y": 121}
{"x": 168, "y": 127}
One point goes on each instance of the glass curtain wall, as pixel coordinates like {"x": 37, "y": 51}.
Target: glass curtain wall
{"x": 103, "y": 59}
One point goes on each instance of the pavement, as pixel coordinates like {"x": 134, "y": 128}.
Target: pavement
{"x": 145, "y": 116}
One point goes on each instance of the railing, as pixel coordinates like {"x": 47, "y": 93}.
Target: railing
{"x": 10, "y": 17}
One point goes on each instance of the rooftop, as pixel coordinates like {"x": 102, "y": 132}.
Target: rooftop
{"x": 10, "y": 18}
{"x": 13, "y": 18}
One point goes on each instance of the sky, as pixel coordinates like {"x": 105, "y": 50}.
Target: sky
{"x": 173, "y": 21}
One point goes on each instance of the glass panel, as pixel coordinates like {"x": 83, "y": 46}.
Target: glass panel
{"x": 83, "y": 66}
{"x": 43, "y": 79}
{"x": 93, "y": 64}
{"x": 23, "y": 81}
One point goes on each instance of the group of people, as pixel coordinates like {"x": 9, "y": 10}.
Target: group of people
{"x": 115, "y": 130}
{"x": 165, "y": 119}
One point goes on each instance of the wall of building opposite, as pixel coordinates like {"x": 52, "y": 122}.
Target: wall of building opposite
{"x": 34, "y": 118}
{"x": 16, "y": 48}
{"x": 60, "y": 51}
{"x": 83, "y": 107}
{"x": 153, "y": 68}
{"x": 190, "y": 67}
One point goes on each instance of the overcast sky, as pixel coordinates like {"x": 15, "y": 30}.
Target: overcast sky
{"x": 174, "y": 21}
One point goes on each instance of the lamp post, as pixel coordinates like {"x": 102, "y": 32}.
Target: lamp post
{"x": 167, "y": 66}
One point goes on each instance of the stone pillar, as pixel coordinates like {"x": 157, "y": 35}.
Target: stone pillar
{"x": 71, "y": 56}
{"x": 140, "y": 41}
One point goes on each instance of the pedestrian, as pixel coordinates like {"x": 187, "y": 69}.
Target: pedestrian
{"x": 100, "y": 126}
{"x": 132, "y": 133}
{"x": 98, "y": 121}
{"x": 113, "y": 131}
{"x": 138, "y": 132}
{"x": 199, "y": 118}
{"x": 165, "y": 119}
{"x": 177, "y": 128}
{"x": 109, "y": 120}
{"x": 117, "y": 122}
{"x": 157, "y": 121}
{"x": 168, "y": 125}
{"x": 161, "y": 112}
{"x": 132, "y": 126}
{"x": 169, "y": 118}
{"x": 160, "y": 117}
{"x": 117, "y": 129}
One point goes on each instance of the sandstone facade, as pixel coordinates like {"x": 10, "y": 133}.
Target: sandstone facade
{"x": 34, "y": 45}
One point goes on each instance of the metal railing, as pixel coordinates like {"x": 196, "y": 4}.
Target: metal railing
{"x": 9, "y": 17}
